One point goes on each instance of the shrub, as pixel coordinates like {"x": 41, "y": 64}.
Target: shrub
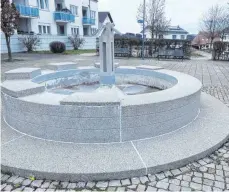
{"x": 29, "y": 42}
{"x": 57, "y": 47}
{"x": 218, "y": 48}
{"x": 76, "y": 41}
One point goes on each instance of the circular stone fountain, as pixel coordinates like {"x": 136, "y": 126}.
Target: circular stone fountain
{"x": 87, "y": 123}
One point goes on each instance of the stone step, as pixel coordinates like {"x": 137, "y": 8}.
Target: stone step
{"x": 63, "y": 65}
{"x": 21, "y": 88}
{"x": 22, "y": 73}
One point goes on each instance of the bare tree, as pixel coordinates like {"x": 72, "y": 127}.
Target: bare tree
{"x": 210, "y": 23}
{"x": 155, "y": 18}
{"x": 76, "y": 41}
{"x": 9, "y": 22}
{"x": 223, "y": 26}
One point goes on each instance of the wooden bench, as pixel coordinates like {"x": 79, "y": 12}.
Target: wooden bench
{"x": 171, "y": 54}
{"x": 122, "y": 52}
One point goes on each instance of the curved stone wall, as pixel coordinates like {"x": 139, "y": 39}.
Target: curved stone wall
{"x": 131, "y": 117}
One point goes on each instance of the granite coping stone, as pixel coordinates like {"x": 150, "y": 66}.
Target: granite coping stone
{"x": 63, "y": 65}
{"x": 149, "y": 67}
{"x": 102, "y": 96}
{"x": 117, "y": 160}
{"x": 21, "y": 88}
{"x": 22, "y": 73}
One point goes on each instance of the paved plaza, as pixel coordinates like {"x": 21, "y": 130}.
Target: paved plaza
{"x": 208, "y": 174}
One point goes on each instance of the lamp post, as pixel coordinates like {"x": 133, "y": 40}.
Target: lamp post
{"x": 143, "y": 39}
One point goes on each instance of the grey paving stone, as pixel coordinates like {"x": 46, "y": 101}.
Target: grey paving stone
{"x": 3, "y": 185}
{"x": 64, "y": 184}
{"x": 141, "y": 187}
{"x": 37, "y": 183}
{"x": 28, "y": 189}
{"x": 135, "y": 181}
{"x": 121, "y": 189}
{"x": 176, "y": 171}
{"x": 114, "y": 183}
{"x": 219, "y": 172}
{"x": 195, "y": 186}
{"x": 54, "y": 184}
{"x": 208, "y": 182}
{"x": 197, "y": 174}
{"x": 26, "y": 182}
{"x": 197, "y": 180}
{"x": 153, "y": 183}
{"x": 102, "y": 184}
{"x": 173, "y": 187}
{"x": 175, "y": 181}
{"x": 45, "y": 184}
{"x": 207, "y": 188}
{"x": 168, "y": 173}
{"x": 144, "y": 179}
{"x": 5, "y": 177}
{"x": 203, "y": 169}
{"x": 80, "y": 185}
{"x": 111, "y": 188}
{"x": 186, "y": 178}
{"x": 184, "y": 169}
{"x": 12, "y": 179}
{"x": 217, "y": 189}
{"x": 219, "y": 178}
{"x": 162, "y": 185}
{"x": 149, "y": 188}
{"x": 220, "y": 185}
{"x": 90, "y": 184}
{"x": 19, "y": 180}
{"x": 209, "y": 176}
{"x": 8, "y": 188}
{"x": 160, "y": 175}
{"x": 70, "y": 186}
{"x": 40, "y": 190}
{"x": 186, "y": 189}
{"x": 132, "y": 186}
{"x": 185, "y": 183}
{"x": 152, "y": 177}
{"x": 125, "y": 182}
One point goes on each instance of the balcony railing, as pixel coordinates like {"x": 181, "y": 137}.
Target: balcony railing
{"x": 64, "y": 17}
{"x": 88, "y": 21}
{"x": 27, "y": 11}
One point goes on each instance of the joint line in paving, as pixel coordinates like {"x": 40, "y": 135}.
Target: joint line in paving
{"x": 140, "y": 157}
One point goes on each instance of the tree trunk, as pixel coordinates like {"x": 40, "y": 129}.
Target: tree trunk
{"x": 8, "y": 47}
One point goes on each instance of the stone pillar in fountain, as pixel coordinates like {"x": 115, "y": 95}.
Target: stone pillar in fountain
{"x": 106, "y": 50}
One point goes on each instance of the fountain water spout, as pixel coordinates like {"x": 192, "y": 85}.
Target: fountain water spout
{"x": 106, "y": 49}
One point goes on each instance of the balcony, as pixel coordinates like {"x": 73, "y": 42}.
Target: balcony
{"x": 64, "y": 17}
{"x": 27, "y": 11}
{"x": 88, "y": 21}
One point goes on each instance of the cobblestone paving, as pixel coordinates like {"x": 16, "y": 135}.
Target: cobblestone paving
{"x": 208, "y": 174}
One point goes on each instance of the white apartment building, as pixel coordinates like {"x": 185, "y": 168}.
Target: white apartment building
{"x": 173, "y": 32}
{"x": 57, "y": 17}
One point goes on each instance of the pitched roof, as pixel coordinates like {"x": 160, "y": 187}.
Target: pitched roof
{"x": 202, "y": 39}
{"x": 172, "y": 29}
{"x": 103, "y": 16}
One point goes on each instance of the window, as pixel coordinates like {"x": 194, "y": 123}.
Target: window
{"x": 61, "y": 30}
{"x": 75, "y": 30}
{"x": 74, "y": 9}
{"x": 93, "y": 31}
{"x": 93, "y": 14}
{"x": 182, "y": 37}
{"x": 44, "y": 29}
{"x": 174, "y": 36}
{"x": 43, "y": 4}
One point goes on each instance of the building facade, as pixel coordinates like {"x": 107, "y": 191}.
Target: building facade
{"x": 173, "y": 32}
{"x": 57, "y": 17}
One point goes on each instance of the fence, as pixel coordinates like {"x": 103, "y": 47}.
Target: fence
{"x": 16, "y": 46}
{"x": 152, "y": 47}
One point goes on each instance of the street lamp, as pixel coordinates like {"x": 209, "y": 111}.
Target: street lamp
{"x": 143, "y": 39}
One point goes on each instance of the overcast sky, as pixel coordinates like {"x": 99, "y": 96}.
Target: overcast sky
{"x": 186, "y": 13}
